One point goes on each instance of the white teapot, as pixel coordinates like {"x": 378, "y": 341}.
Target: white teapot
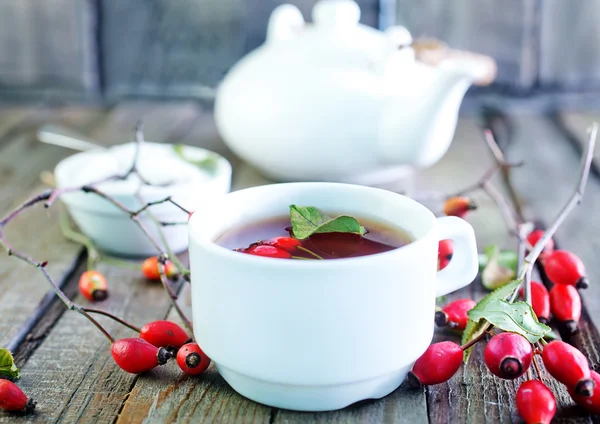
{"x": 335, "y": 98}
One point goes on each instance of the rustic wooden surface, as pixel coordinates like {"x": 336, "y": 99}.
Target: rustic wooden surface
{"x": 66, "y": 364}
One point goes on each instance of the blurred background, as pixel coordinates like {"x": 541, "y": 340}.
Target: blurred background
{"x": 102, "y": 51}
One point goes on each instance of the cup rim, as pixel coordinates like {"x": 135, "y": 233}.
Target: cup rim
{"x": 209, "y": 245}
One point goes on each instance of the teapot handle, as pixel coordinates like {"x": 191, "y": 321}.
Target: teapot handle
{"x": 284, "y": 23}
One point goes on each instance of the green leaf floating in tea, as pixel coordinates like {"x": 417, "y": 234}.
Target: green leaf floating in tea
{"x": 308, "y": 220}
{"x": 8, "y": 369}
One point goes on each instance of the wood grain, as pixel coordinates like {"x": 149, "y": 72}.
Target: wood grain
{"x": 67, "y": 358}
{"x": 22, "y": 158}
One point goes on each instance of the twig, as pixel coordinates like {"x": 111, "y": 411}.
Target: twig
{"x": 573, "y": 201}
{"x": 59, "y": 293}
{"x": 113, "y": 317}
{"x": 172, "y": 295}
{"x": 537, "y": 368}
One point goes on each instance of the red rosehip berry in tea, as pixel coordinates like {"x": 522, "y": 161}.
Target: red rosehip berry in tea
{"x": 268, "y": 252}
{"x": 437, "y": 365}
{"x": 568, "y": 365}
{"x": 165, "y": 334}
{"x": 93, "y": 286}
{"x": 535, "y": 236}
{"x": 535, "y": 402}
{"x": 459, "y": 206}
{"x": 12, "y": 398}
{"x": 454, "y": 314}
{"x": 192, "y": 360}
{"x": 508, "y": 355}
{"x": 590, "y": 403}
{"x": 288, "y": 244}
{"x": 136, "y": 355}
{"x": 445, "y": 249}
{"x": 152, "y": 272}
{"x": 565, "y": 304}
{"x": 540, "y": 301}
{"x": 563, "y": 267}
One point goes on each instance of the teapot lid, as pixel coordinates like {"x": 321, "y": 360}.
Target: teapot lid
{"x": 334, "y": 37}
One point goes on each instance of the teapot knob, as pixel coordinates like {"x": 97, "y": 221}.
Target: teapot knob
{"x": 285, "y": 23}
{"x": 335, "y": 13}
{"x": 399, "y": 36}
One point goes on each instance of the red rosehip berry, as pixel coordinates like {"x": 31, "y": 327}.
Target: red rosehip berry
{"x": 165, "y": 334}
{"x": 534, "y": 237}
{"x": 192, "y": 360}
{"x": 564, "y": 267}
{"x": 591, "y": 403}
{"x": 443, "y": 263}
{"x": 568, "y": 365}
{"x": 445, "y": 248}
{"x": 93, "y": 286}
{"x": 565, "y": 303}
{"x": 454, "y": 314}
{"x": 12, "y": 398}
{"x": 508, "y": 355}
{"x": 136, "y": 355}
{"x": 459, "y": 206}
{"x": 438, "y": 364}
{"x": 540, "y": 301}
{"x": 535, "y": 402}
{"x": 268, "y": 252}
{"x": 288, "y": 244}
{"x": 152, "y": 272}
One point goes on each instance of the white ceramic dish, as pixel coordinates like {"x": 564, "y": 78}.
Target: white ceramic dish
{"x": 111, "y": 229}
{"x": 320, "y": 335}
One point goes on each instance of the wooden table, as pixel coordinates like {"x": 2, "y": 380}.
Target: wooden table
{"x": 66, "y": 365}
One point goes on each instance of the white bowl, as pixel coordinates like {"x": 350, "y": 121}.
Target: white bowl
{"x": 110, "y": 228}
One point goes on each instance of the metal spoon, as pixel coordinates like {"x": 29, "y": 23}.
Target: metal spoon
{"x": 65, "y": 137}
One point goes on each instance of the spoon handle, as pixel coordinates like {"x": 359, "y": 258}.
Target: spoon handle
{"x": 61, "y": 136}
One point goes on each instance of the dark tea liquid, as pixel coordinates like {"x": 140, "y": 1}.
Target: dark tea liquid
{"x": 379, "y": 238}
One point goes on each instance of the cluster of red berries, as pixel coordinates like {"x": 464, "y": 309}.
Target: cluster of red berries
{"x": 509, "y": 356}
{"x": 567, "y": 273}
{"x": 158, "y": 342}
{"x": 277, "y": 247}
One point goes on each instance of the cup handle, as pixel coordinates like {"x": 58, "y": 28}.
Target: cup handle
{"x": 463, "y": 267}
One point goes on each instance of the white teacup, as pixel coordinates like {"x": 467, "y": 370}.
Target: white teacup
{"x": 321, "y": 335}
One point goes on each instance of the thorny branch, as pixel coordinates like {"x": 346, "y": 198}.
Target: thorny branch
{"x": 49, "y": 196}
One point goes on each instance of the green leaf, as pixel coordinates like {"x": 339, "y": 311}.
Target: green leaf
{"x": 517, "y": 317}
{"x": 208, "y": 163}
{"x": 308, "y": 220}
{"x": 475, "y": 328}
{"x": 8, "y": 369}
{"x": 495, "y": 274}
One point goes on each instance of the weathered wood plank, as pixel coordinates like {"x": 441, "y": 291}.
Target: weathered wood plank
{"x": 72, "y": 373}
{"x": 22, "y": 158}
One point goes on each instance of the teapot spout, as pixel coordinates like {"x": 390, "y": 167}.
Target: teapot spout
{"x": 417, "y": 129}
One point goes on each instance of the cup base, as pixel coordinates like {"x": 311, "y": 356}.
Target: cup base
{"x": 312, "y": 398}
